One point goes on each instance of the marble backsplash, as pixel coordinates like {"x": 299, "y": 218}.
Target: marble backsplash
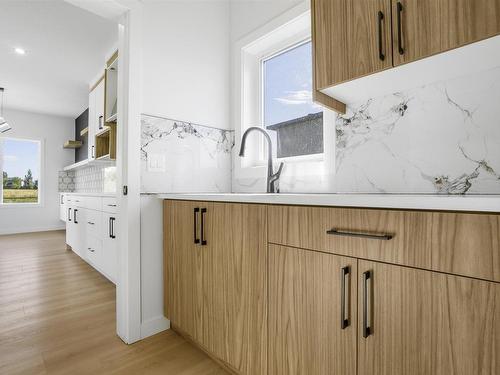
{"x": 179, "y": 156}
{"x": 441, "y": 138}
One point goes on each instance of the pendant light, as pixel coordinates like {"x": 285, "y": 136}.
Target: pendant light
{"x": 4, "y": 126}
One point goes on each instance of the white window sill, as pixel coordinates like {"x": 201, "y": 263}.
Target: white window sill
{"x": 19, "y": 205}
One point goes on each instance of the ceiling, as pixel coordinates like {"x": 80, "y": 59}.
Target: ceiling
{"x": 66, "y": 48}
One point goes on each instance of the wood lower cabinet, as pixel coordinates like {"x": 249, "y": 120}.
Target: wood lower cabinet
{"x": 184, "y": 269}
{"x": 425, "y": 27}
{"x": 312, "y": 313}
{"x": 216, "y": 279}
{"x": 427, "y": 323}
{"x": 335, "y": 290}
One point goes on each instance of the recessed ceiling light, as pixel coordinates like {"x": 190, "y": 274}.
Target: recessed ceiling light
{"x": 20, "y": 51}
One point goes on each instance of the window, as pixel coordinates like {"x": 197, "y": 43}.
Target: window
{"x": 20, "y": 166}
{"x": 287, "y": 102}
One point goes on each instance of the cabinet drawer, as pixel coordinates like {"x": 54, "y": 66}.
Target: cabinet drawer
{"x": 459, "y": 243}
{"x": 78, "y": 201}
{"x": 93, "y": 203}
{"x": 94, "y": 223}
{"x": 109, "y": 205}
{"x": 94, "y": 251}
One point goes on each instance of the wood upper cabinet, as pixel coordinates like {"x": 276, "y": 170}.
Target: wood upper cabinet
{"x": 426, "y": 323}
{"x": 216, "y": 279}
{"x": 329, "y": 35}
{"x": 368, "y": 37}
{"x": 356, "y": 38}
{"x": 351, "y": 38}
{"x": 312, "y": 313}
{"x": 423, "y": 28}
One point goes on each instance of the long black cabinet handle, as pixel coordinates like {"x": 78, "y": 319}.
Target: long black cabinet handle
{"x": 69, "y": 213}
{"x": 74, "y": 216}
{"x": 112, "y": 227}
{"x": 195, "y": 221}
{"x": 367, "y": 328}
{"x": 383, "y": 237}
{"x": 345, "y": 311}
{"x": 381, "y": 55}
{"x": 202, "y": 231}
{"x": 400, "y": 32}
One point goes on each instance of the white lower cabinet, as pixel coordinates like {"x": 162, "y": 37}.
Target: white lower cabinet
{"x": 91, "y": 231}
{"x": 63, "y": 207}
{"x": 110, "y": 248}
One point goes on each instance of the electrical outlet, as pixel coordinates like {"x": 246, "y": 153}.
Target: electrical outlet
{"x": 156, "y": 162}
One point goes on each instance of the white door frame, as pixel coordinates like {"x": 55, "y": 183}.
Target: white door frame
{"x": 128, "y": 15}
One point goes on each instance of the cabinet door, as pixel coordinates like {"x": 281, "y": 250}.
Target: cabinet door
{"x": 426, "y": 323}
{"x": 109, "y": 246}
{"x": 62, "y": 208}
{"x": 184, "y": 271}
{"x": 425, "y": 27}
{"x": 329, "y": 37}
{"x": 236, "y": 275}
{"x": 70, "y": 233}
{"x": 99, "y": 105}
{"x": 80, "y": 232}
{"x": 369, "y": 42}
{"x": 92, "y": 126}
{"x": 312, "y": 313}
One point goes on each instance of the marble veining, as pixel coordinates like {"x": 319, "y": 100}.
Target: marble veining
{"x": 195, "y": 157}
{"x": 441, "y": 138}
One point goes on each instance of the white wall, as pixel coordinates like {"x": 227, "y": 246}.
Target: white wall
{"x": 52, "y": 131}
{"x": 246, "y": 16}
{"x": 152, "y": 319}
{"x": 186, "y": 61}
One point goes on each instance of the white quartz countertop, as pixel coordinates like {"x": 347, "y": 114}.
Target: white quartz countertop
{"x": 473, "y": 203}
{"x": 90, "y": 194}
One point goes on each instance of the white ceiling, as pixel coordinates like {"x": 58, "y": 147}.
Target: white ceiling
{"x": 66, "y": 48}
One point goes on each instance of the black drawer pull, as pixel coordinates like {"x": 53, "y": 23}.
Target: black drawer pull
{"x": 202, "y": 232}
{"x": 344, "y": 305}
{"x": 367, "y": 327}
{"x": 195, "y": 221}
{"x": 400, "y": 36}
{"x": 112, "y": 227}
{"x": 381, "y": 55}
{"x": 383, "y": 237}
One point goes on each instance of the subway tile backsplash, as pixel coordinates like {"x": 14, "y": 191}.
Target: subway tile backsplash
{"x": 93, "y": 179}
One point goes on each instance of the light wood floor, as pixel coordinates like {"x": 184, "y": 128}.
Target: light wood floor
{"x": 57, "y": 316}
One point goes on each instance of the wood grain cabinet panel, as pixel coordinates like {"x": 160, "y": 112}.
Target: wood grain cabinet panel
{"x": 369, "y": 41}
{"x": 427, "y": 323}
{"x": 459, "y": 243}
{"x": 329, "y": 36}
{"x": 306, "y": 227}
{"x": 186, "y": 294}
{"x": 349, "y": 39}
{"x": 305, "y": 306}
{"x": 237, "y": 239}
{"x": 433, "y": 26}
{"x": 216, "y": 291}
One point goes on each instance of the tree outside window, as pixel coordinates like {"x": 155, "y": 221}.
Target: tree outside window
{"x": 20, "y": 164}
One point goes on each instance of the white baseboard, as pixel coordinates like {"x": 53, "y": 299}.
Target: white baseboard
{"x": 19, "y": 230}
{"x": 153, "y": 326}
